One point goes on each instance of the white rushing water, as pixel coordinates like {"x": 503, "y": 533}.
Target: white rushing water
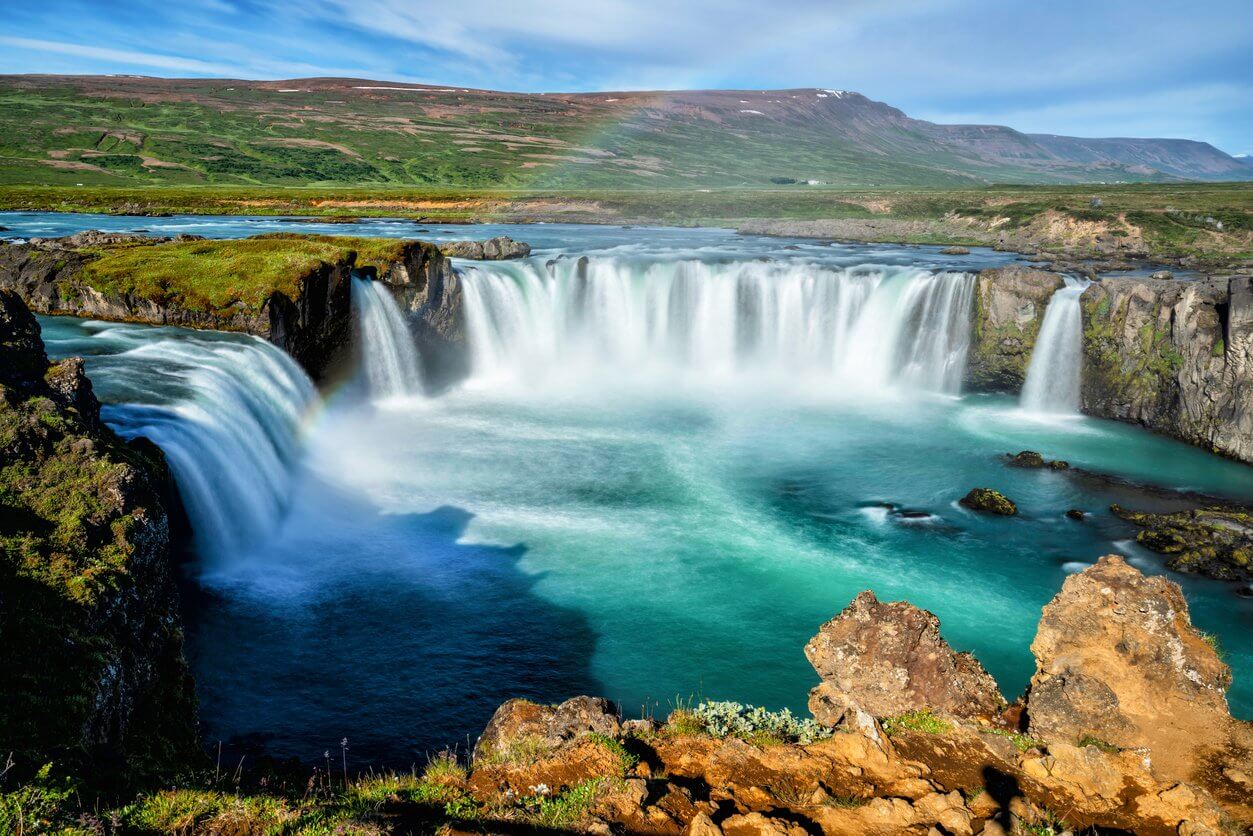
{"x": 1053, "y": 376}
{"x": 389, "y": 357}
{"x": 861, "y": 327}
{"x": 231, "y": 437}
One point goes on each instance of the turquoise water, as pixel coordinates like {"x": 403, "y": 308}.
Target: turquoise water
{"x": 646, "y": 534}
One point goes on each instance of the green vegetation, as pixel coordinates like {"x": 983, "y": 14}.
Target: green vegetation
{"x": 564, "y": 809}
{"x": 924, "y": 721}
{"x": 751, "y": 723}
{"x": 626, "y": 760}
{"x": 1021, "y": 742}
{"x": 1097, "y": 743}
{"x": 215, "y": 275}
{"x": 81, "y": 530}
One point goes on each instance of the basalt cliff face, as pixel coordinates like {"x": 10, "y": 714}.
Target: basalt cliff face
{"x": 1008, "y": 311}
{"x": 314, "y": 324}
{"x": 1175, "y": 356}
{"x": 425, "y": 285}
{"x": 90, "y": 633}
{"x": 1125, "y": 727}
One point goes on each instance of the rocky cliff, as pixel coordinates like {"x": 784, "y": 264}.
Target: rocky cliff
{"x": 1174, "y": 356}
{"x": 90, "y": 634}
{"x": 1008, "y": 311}
{"x": 426, "y": 285}
{"x": 289, "y": 289}
{"x": 1124, "y": 728}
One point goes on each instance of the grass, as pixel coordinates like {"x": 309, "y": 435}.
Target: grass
{"x": 525, "y": 749}
{"x": 923, "y": 720}
{"x": 567, "y": 808}
{"x": 216, "y": 275}
{"x": 626, "y": 760}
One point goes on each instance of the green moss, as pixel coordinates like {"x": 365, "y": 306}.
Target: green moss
{"x": 216, "y": 275}
{"x": 1097, "y": 743}
{"x": 1022, "y": 742}
{"x": 923, "y": 720}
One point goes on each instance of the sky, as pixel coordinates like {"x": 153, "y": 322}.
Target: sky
{"x": 1074, "y": 67}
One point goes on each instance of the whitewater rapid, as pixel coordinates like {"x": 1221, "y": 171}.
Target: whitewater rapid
{"x": 863, "y": 328}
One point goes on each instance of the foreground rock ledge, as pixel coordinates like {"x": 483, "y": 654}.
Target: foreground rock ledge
{"x": 1128, "y": 730}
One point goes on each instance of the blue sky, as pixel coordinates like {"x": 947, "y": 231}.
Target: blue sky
{"x": 1078, "y": 67}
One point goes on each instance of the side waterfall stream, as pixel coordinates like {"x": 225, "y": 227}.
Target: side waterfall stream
{"x": 1053, "y": 380}
{"x": 665, "y": 471}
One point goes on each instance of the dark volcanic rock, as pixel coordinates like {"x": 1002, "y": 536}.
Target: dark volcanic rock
{"x": 887, "y": 659}
{"x": 1031, "y": 460}
{"x": 1008, "y": 311}
{"x": 499, "y": 248}
{"x": 990, "y": 502}
{"x": 1215, "y": 541}
{"x": 1174, "y": 356}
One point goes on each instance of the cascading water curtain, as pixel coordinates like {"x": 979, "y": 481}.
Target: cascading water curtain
{"x": 867, "y": 327}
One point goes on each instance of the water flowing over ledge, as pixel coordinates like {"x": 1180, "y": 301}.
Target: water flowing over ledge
{"x": 863, "y": 327}
{"x": 1053, "y": 377}
{"x": 231, "y": 437}
{"x": 389, "y": 358}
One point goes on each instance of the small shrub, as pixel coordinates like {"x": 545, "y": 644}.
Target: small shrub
{"x": 921, "y": 721}
{"x": 444, "y": 769}
{"x": 752, "y": 723}
{"x": 524, "y": 750}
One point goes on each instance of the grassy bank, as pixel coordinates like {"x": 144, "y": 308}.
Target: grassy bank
{"x": 213, "y": 275}
{"x": 1208, "y": 221}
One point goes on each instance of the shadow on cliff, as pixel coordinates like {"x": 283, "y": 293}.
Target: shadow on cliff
{"x": 381, "y": 629}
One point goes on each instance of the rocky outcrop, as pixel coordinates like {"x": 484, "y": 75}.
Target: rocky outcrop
{"x": 1174, "y": 356}
{"x": 989, "y": 501}
{"x": 314, "y": 327}
{"x": 1124, "y": 711}
{"x": 500, "y": 248}
{"x": 426, "y": 285}
{"x": 887, "y": 659}
{"x": 1214, "y": 541}
{"x": 1008, "y": 311}
{"x": 90, "y": 634}
{"x": 1120, "y": 666}
{"x": 1031, "y": 460}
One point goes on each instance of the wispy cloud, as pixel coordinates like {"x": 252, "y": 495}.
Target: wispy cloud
{"x": 120, "y": 56}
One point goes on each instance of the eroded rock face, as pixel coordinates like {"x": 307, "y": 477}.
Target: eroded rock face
{"x": 545, "y": 726}
{"x": 90, "y": 634}
{"x": 1175, "y": 356}
{"x": 1119, "y": 661}
{"x": 1009, "y": 309}
{"x": 887, "y": 659}
{"x": 425, "y": 284}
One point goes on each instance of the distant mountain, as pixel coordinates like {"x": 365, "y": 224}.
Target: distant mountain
{"x": 134, "y": 130}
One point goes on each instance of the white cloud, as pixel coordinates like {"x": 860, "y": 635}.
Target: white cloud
{"x": 122, "y": 56}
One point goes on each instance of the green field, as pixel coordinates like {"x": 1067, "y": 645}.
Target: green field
{"x": 1211, "y": 221}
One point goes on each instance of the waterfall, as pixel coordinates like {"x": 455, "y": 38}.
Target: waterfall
{"x": 230, "y": 436}
{"x": 1053, "y": 376}
{"x": 865, "y": 327}
{"x": 388, "y": 355}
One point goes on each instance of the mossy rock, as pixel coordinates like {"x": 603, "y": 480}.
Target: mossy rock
{"x": 989, "y": 501}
